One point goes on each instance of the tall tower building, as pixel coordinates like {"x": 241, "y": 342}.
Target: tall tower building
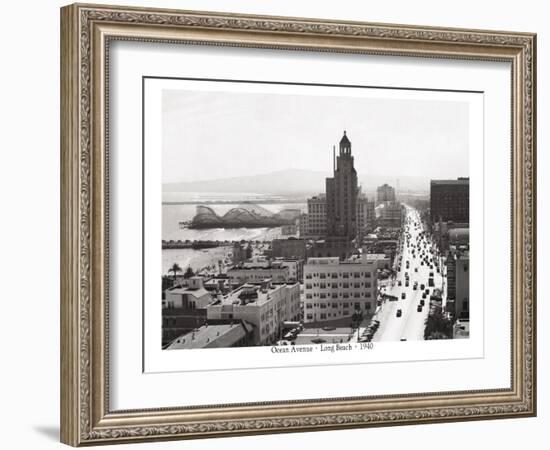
{"x": 341, "y": 192}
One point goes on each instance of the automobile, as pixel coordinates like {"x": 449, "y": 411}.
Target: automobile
{"x": 431, "y": 274}
{"x": 422, "y": 302}
{"x": 424, "y": 295}
{"x": 415, "y": 286}
{"x": 416, "y": 269}
{"x": 421, "y": 263}
{"x": 403, "y": 339}
{"x": 407, "y": 283}
{"x": 398, "y": 313}
{"x": 419, "y": 308}
{"x": 422, "y": 286}
{"x": 290, "y": 336}
{"x": 427, "y": 291}
{"x": 403, "y": 295}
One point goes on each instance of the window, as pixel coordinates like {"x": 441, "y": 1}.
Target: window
{"x": 357, "y": 295}
{"x": 323, "y": 316}
{"x": 309, "y": 317}
{"x": 323, "y": 276}
{"x": 345, "y": 285}
{"x": 335, "y": 305}
{"x": 323, "y": 295}
{"x": 308, "y": 286}
{"x": 356, "y": 275}
{"x": 356, "y": 285}
{"x": 367, "y": 274}
{"x": 345, "y": 275}
{"x": 367, "y": 305}
{"x": 465, "y": 267}
{"x": 323, "y": 285}
{"x": 309, "y": 306}
{"x": 367, "y": 285}
{"x": 323, "y": 305}
{"x": 346, "y": 305}
{"x": 357, "y": 305}
{"x": 334, "y": 295}
{"x": 309, "y": 296}
{"x": 464, "y": 305}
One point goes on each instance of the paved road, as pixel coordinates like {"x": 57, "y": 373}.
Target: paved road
{"x": 410, "y": 325}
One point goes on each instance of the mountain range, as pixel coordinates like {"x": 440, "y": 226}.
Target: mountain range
{"x": 294, "y": 182}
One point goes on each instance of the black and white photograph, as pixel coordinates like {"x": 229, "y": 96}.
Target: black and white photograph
{"x": 335, "y": 215}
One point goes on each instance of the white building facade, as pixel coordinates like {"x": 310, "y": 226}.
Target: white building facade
{"x": 266, "y": 306}
{"x": 335, "y": 289}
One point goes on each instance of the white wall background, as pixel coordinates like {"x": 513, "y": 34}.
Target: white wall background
{"x": 29, "y": 223}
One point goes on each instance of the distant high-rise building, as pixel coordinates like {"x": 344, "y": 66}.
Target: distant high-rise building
{"x": 385, "y": 193}
{"x": 317, "y": 215}
{"x": 390, "y": 214}
{"x": 450, "y": 200}
{"x": 365, "y": 214}
{"x": 341, "y": 194}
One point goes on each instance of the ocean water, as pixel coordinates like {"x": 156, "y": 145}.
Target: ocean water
{"x": 185, "y": 210}
{"x": 173, "y": 213}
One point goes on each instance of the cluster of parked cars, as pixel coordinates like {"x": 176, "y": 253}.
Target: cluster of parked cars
{"x": 368, "y": 333}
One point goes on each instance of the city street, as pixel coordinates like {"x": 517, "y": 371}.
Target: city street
{"x": 416, "y": 263}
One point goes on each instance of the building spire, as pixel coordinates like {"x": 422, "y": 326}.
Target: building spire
{"x": 345, "y": 145}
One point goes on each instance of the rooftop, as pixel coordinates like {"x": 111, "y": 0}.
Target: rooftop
{"x": 187, "y": 290}
{"x": 213, "y": 336}
{"x": 374, "y": 256}
{"x": 260, "y": 266}
{"x": 458, "y": 181}
{"x": 249, "y": 294}
{"x": 318, "y": 197}
{"x": 456, "y": 233}
{"x": 335, "y": 261}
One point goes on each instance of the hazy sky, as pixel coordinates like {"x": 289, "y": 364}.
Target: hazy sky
{"x": 210, "y": 135}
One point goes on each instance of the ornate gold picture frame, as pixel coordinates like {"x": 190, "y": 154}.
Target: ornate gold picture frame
{"x": 87, "y": 31}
